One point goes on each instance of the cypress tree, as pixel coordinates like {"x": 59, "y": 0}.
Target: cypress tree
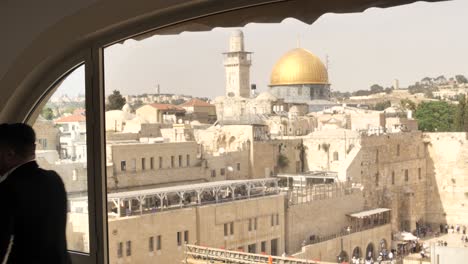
{"x": 460, "y": 123}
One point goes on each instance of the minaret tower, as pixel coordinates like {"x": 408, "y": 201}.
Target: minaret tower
{"x": 237, "y": 64}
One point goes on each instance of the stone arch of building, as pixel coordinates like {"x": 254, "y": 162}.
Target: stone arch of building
{"x": 383, "y": 244}
{"x": 343, "y": 257}
{"x": 357, "y": 252}
{"x": 370, "y": 250}
{"x": 231, "y": 142}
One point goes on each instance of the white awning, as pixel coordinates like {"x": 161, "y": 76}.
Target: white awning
{"x": 369, "y": 212}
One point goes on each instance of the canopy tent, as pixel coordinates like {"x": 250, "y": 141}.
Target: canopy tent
{"x": 368, "y": 213}
{"x": 405, "y": 236}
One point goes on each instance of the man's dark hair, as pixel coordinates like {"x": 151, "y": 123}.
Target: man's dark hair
{"x": 20, "y": 137}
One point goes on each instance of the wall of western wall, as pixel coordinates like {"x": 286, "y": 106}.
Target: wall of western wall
{"x": 448, "y": 178}
{"x": 393, "y": 174}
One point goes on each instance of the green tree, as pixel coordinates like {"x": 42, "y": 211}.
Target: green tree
{"x": 435, "y": 116}
{"x": 382, "y": 105}
{"x": 465, "y": 117}
{"x": 361, "y": 93}
{"x": 461, "y": 79}
{"x": 407, "y": 104}
{"x": 283, "y": 161}
{"x": 138, "y": 103}
{"x": 459, "y": 123}
{"x": 376, "y": 89}
{"x": 47, "y": 113}
{"x": 115, "y": 101}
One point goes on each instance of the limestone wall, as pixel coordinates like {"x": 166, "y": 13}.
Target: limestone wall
{"x": 205, "y": 226}
{"x": 330, "y": 249}
{"x": 135, "y": 174}
{"x": 139, "y": 229}
{"x": 393, "y": 174}
{"x": 212, "y": 218}
{"x": 448, "y": 178}
{"x": 327, "y": 150}
{"x": 320, "y": 217}
{"x": 265, "y": 156}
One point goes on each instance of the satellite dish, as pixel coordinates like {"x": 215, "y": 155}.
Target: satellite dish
{"x": 221, "y": 150}
{"x": 230, "y": 168}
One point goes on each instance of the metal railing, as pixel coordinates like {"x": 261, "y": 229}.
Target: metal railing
{"x": 319, "y": 239}
{"x": 199, "y": 254}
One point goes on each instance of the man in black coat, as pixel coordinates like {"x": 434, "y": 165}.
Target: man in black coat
{"x": 33, "y": 203}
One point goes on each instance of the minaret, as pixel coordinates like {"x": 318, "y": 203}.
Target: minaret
{"x": 237, "y": 64}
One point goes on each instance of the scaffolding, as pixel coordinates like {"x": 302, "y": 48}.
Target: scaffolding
{"x": 160, "y": 199}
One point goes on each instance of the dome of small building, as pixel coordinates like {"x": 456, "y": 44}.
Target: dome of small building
{"x": 299, "y": 66}
{"x": 219, "y": 99}
{"x": 127, "y": 108}
{"x": 120, "y": 115}
{"x": 294, "y": 109}
{"x": 266, "y": 96}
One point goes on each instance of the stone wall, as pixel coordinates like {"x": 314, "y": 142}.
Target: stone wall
{"x": 330, "y": 249}
{"x": 393, "y": 175}
{"x": 136, "y": 175}
{"x": 321, "y": 218}
{"x": 266, "y": 155}
{"x": 205, "y": 226}
{"x": 447, "y": 178}
{"x": 326, "y": 150}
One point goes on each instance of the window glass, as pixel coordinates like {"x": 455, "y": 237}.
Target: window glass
{"x": 212, "y": 108}
{"x": 61, "y": 146}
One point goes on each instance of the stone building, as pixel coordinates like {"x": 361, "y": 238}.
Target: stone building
{"x": 199, "y": 110}
{"x": 298, "y": 79}
{"x": 47, "y": 135}
{"x": 255, "y": 223}
{"x": 160, "y": 113}
{"x": 237, "y": 64}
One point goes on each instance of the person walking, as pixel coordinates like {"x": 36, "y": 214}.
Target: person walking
{"x": 33, "y": 202}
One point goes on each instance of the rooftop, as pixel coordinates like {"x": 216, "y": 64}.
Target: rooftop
{"x": 195, "y": 102}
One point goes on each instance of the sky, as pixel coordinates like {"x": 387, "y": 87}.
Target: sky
{"x": 377, "y": 46}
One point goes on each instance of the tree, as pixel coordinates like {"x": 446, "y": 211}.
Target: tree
{"x": 137, "y": 104}
{"x": 407, "y": 104}
{"x": 459, "y": 123}
{"x": 382, "y": 105}
{"x": 361, "y": 93}
{"x": 435, "y": 116}
{"x": 283, "y": 161}
{"x": 461, "y": 79}
{"x": 115, "y": 101}
{"x": 326, "y": 148}
{"x": 47, "y": 113}
{"x": 465, "y": 117}
{"x": 388, "y": 90}
{"x": 376, "y": 89}
{"x": 426, "y": 80}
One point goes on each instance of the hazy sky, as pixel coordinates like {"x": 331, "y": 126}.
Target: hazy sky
{"x": 405, "y": 43}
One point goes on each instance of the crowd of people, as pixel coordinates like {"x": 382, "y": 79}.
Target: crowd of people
{"x": 387, "y": 256}
{"x": 445, "y": 229}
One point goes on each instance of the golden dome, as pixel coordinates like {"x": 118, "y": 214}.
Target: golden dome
{"x": 299, "y": 66}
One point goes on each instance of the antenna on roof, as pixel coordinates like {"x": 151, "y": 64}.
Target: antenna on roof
{"x": 327, "y": 62}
